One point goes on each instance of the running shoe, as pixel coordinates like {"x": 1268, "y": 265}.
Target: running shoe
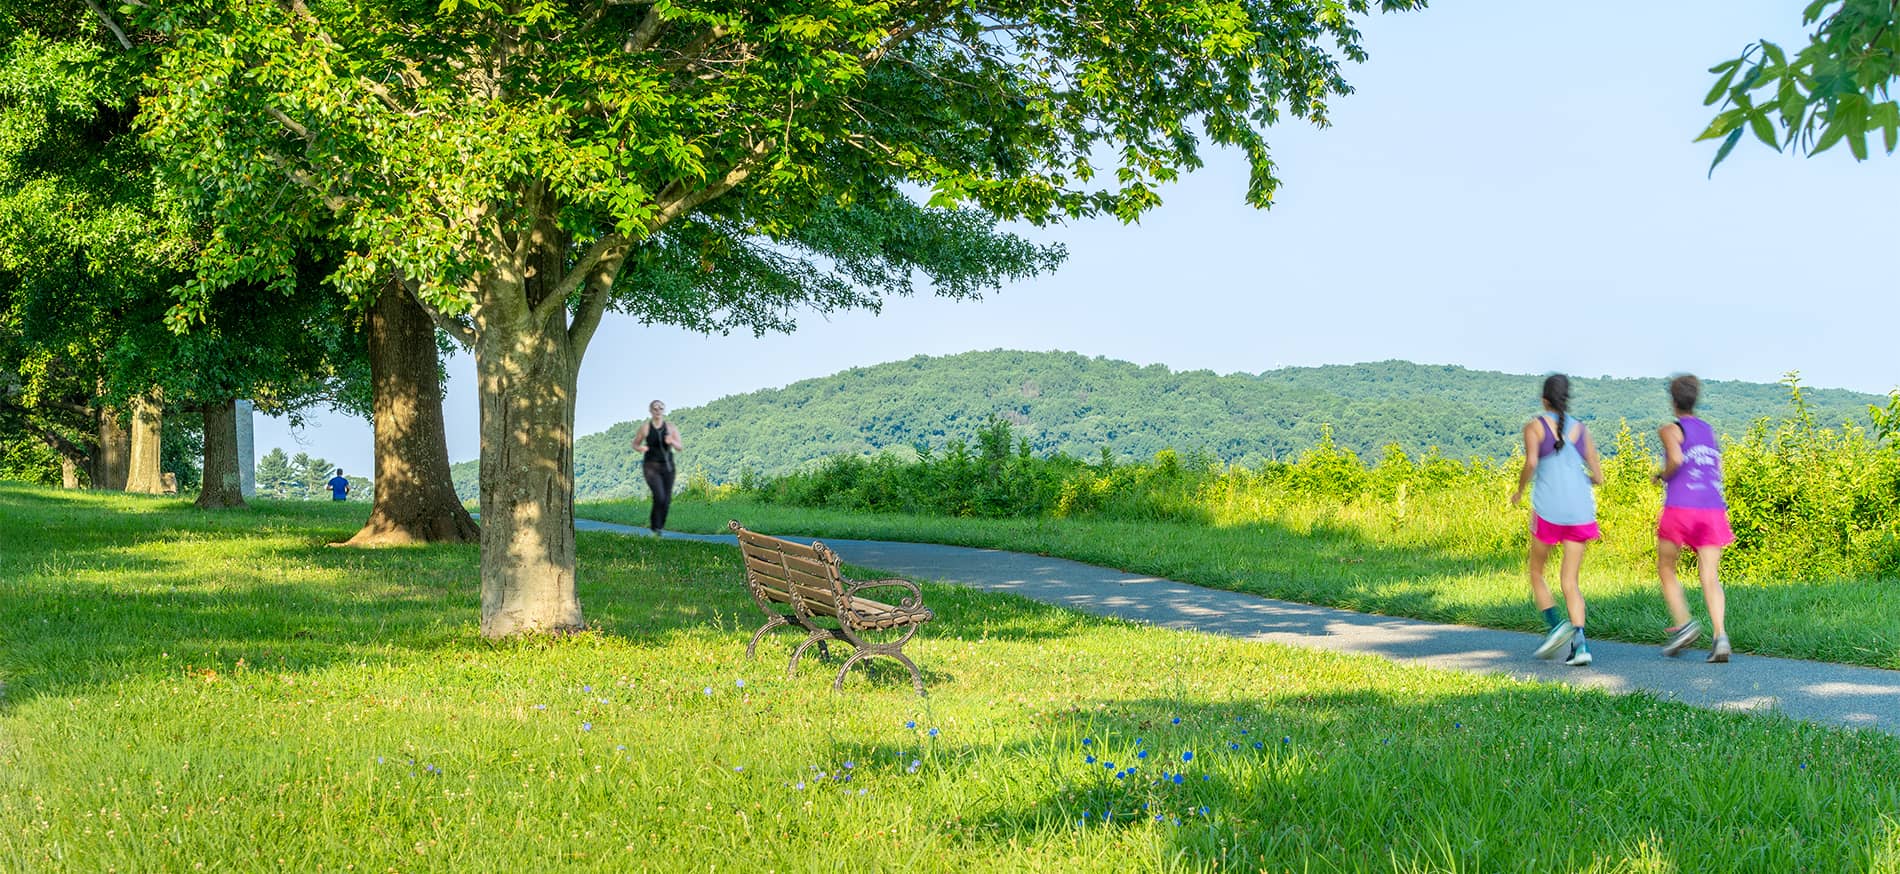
{"x": 1719, "y": 653}
{"x": 1559, "y": 635}
{"x": 1579, "y": 658}
{"x": 1680, "y": 637}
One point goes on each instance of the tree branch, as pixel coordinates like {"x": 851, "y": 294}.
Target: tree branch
{"x": 110, "y": 23}
{"x": 593, "y": 305}
{"x": 463, "y": 334}
{"x": 643, "y": 36}
{"x": 612, "y": 246}
{"x": 687, "y": 201}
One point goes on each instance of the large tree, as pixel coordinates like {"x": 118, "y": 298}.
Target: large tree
{"x": 1837, "y": 88}
{"x": 92, "y": 246}
{"x": 415, "y": 500}
{"x": 533, "y": 164}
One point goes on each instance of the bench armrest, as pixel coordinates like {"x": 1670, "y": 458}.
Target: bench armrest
{"x": 913, "y": 600}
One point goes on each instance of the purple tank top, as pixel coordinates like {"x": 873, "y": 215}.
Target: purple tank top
{"x": 1698, "y": 482}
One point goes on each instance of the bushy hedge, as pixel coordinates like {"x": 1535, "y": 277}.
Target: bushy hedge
{"x": 1807, "y": 501}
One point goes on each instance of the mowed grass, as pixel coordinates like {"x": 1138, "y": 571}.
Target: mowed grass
{"x": 223, "y": 690}
{"x": 1431, "y": 566}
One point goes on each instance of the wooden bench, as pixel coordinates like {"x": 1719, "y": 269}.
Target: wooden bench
{"x": 801, "y": 586}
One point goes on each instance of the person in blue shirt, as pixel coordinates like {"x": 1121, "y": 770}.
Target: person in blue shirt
{"x": 339, "y": 487}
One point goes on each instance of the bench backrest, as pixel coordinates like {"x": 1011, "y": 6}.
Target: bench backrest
{"x": 784, "y": 570}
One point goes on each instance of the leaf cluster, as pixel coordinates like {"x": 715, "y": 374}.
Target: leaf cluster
{"x": 1838, "y": 88}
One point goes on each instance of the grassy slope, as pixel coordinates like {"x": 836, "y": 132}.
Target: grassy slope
{"x": 186, "y": 688}
{"x": 1429, "y": 568}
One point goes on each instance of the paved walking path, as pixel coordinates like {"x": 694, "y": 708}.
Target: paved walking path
{"x": 1817, "y": 691}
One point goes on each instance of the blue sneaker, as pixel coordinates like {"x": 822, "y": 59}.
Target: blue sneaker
{"x": 1558, "y": 636}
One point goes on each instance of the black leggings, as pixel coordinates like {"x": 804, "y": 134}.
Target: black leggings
{"x": 659, "y": 476}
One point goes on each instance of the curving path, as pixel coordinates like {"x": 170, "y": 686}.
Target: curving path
{"x": 1844, "y": 695}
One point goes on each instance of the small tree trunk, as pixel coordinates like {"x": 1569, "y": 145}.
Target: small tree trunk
{"x": 142, "y": 473}
{"x": 223, "y": 484}
{"x": 415, "y": 495}
{"x": 527, "y": 376}
{"x": 68, "y": 473}
{"x": 109, "y": 461}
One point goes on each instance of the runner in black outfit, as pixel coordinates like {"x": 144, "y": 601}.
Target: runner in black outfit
{"x": 657, "y": 438}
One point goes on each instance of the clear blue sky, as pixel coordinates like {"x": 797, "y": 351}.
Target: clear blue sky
{"x": 1513, "y": 187}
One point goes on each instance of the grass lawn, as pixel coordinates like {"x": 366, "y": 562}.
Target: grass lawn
{"x": 1463, "y": 576}
{"x": 186, "y": 689}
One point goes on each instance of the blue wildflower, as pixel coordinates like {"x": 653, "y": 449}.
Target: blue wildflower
{"x": 1087, "y": 740}
{"x": 709, "y": 690}
{"x": 1108, "y": 765}
{"x": 1177, "y": 720}
{"x": 1286, "y": 740}
{"x": 1233, "y": 746}
{"x": 1121, "y": 775}
{"x": 933, "y": 732}
{"x": 587, "y": 688}
{"x": 1203, "y": 810}
{"x": 1187, "y": 756}
{"x": 1088, "y": 760}
{"x": 801, "y": 785}
{"x": 850, "y": 765}
{"x": 1258, "y": 745}
{"x": 1177, "y": 779}
{"x": 910, "y": 723}
{"x": 587, "y": 726}
{"x": 741, "y": 684}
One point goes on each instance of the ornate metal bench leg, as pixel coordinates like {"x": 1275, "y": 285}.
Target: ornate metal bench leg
{"x": 916, "y": 676}
{"x": 751, "y": 648}
{"x": 854, "y": 659}
{"x": 791, "y": 670}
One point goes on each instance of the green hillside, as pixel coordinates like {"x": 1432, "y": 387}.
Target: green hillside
{"x": 1062, "y": 401}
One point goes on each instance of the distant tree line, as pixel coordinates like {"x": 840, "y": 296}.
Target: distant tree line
{"x": 1060, "y": 402}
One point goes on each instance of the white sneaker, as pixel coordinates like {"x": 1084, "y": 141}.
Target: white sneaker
{"x": 1555, "y": 640}
{"x": 1681, "y": 636}
{"x": 1579, "y": 659}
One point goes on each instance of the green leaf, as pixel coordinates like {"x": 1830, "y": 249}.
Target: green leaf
{"x": 1764, "y": 129}
{"x": 1721, "y": 84}
{"x": 1728, "y": 145}
{"x": 1721, "y": 125}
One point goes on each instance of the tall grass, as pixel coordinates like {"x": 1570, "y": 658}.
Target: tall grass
{"x": 1807, "y": 501}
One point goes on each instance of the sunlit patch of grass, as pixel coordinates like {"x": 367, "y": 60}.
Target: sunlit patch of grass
{"x": 298, "y": 707}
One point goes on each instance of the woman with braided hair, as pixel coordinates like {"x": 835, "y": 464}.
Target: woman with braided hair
{"x": 1561, "y": 467}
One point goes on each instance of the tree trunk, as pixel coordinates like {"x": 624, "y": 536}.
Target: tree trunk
{"x": 109, "y": 461}
{"x": 223, "y": 484}
{"x": 142, "y": 473}
{"x": 415, "y": 495}
{"x": 68, "y": 473}
{"x": 527, "y": 374}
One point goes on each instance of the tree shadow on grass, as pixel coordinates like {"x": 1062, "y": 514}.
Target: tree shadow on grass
{"x": 1521, "y": 778}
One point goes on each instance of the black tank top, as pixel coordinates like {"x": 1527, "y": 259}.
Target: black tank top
{"x": 656, "y": 443}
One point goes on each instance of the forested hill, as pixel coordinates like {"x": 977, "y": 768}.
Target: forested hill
{"x": 1071, "y": 403}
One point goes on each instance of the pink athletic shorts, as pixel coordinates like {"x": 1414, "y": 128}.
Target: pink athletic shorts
{"x": 1694, "y": 527}
{"x": 1547, "y": 532}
